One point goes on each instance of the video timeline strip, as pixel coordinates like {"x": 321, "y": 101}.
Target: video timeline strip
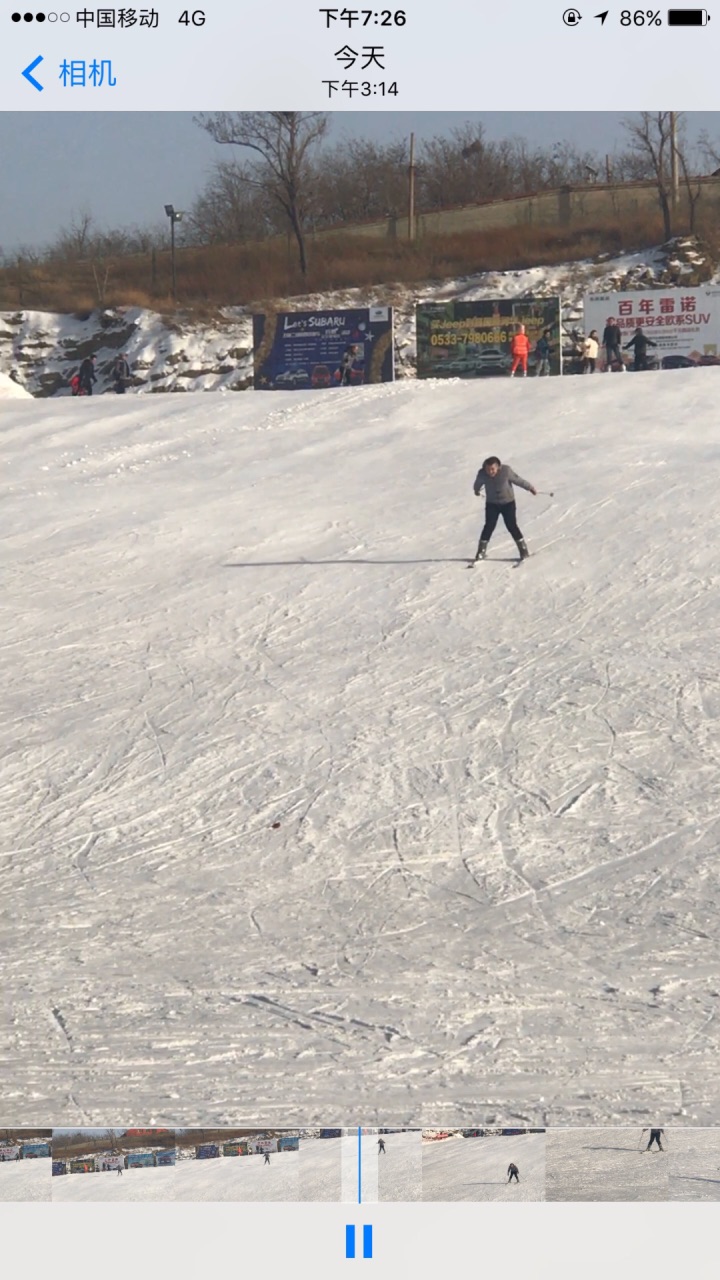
{"x": 360, "y": 1165}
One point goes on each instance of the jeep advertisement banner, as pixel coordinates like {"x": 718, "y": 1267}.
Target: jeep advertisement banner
{"x": 682, "y": 326}
{"x": 321, "y": 350}
{"x": 473, "y": 339}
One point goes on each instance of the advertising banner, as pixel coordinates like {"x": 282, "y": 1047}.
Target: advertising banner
{"x": 106, "y": 1163}
{"x": 320, "y": 350}
{"x": 682, "y": 326}
{"x": 164, "y": 1157}
{"x": 34, "y": 1150}
{"x": 289, "y": 1144}
{"x": 9, "y": 1153}
{"x": 235, "y": 1148}
{"x": 208, "y": 1151}
{"x": 473, "y": 339}
{"x": 86, "y": 1165}
{"x": 263, "y": 1144}
{"x": 140, "y": 1160}
{"x": 58, "y": 1168}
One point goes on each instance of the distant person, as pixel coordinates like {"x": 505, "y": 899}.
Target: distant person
{"x": 520, "y": 350}
{"x": 497, "y": 480}
{"x": 120, "y": 375}
{"x": 612, "y": 338}
{"x": 591, "y": 346}
{"x": 119, "y": 1169}
{"x": 543, "y": 352}
{"x": 347, "y": 364}
{"x": 86, "y": 374}
{"x": 75, "y": 385}
{"x": 267, "y": 1157}
{"x": 640, "y": 342}
{"x": 513, "y": 1173}
{"x": 655, "y": 1136}
{"x": 381, "y": 1147}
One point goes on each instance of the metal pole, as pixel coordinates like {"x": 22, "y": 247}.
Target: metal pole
{"x": 411, "y": 190}
{"x": 172, "y": 255}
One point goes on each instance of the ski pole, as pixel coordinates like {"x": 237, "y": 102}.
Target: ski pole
{"x": 543, "y": 493}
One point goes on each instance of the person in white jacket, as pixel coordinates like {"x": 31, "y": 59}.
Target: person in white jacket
{"x": 590, "y": 349}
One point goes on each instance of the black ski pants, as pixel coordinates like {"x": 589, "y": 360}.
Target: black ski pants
{"x": 654, "y": 1137}
{"x": 513, "y": 1175}
{"x": 613, "y": 355}
{"x": 493, "y": 511}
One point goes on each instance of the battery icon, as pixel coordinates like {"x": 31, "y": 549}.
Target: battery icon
{"x": 688, "y": 17}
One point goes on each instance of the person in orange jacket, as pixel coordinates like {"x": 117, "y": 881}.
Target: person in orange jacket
{"x": 520, "y": 349}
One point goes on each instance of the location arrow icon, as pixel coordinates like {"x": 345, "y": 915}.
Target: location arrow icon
{"x": 602, "y": 16}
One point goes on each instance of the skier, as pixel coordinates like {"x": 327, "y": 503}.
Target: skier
{"x": 640, "y": 342}
{"x": 120, "y": 374}
{"x": 86, "y": 375}
{"x": 75, "y": 385}
{"x": 347, "y": 365}
{"x": 267, "y": 1157}
{"x": 513, "y": 1172}
{"x": 520, "y": 350}
{"x": 655, "y": 1136}
{"x": 381, "y": 1147}
{"x": 497, "y": 480}
{"x": 590, "y": 350}
{"x": 612, "y": 338}
{"x": 543, "y": 352}
{"x": 120, "y": 1170}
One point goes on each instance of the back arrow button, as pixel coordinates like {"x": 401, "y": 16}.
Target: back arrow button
{"x": 30, "y": 77}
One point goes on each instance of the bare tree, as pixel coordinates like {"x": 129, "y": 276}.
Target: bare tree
{"x": 284, "y": 141}
{"x": 651, "y": 138}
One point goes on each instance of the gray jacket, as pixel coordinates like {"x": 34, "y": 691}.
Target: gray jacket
{"x": 499, "y": 488}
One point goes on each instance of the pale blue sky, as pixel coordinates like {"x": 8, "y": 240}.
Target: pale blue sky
{"x": 123, "y": 167}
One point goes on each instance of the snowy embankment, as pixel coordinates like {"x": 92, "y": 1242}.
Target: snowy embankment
{"x": 476, "y": 1169}
{"x": 300, "y": 818}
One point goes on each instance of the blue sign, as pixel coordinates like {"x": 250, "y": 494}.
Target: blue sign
{"x": 140, "y": 1160}
{"x": 207, "y": 1152}
{"x": 288, "y": 1144}
{"x": 320, "y": 350}
{"x": 58, "y": 1168}
{"x": 32, "y": 1149}
{"x": 164, "y": 1157}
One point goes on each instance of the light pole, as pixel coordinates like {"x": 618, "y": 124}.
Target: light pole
{"x": 175, "y": 215}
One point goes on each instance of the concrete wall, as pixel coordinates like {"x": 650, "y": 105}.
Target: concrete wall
{"x": 566, "y": 207}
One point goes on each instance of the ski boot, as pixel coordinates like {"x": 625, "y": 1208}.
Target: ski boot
{"x": 522, "y": 548}
{"x": 481, "y": 552}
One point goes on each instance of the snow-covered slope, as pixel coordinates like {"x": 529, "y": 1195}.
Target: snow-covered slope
{"x": 239, "y": 1178}
{"x": 694, "y": 1164}
{"x": 25, "y": 1180}
{"x": 604, "y": 1164}
{"x": 10, "y": 390}
{"x": 132, "y": 1184}
{"x": 302, "y": 819}
{"x": 476, "y": 1169}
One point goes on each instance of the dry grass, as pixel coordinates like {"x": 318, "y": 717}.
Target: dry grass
{"x": 239, "y": 274}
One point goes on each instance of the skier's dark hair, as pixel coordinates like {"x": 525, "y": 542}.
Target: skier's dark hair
{"x": 489, "y": 461}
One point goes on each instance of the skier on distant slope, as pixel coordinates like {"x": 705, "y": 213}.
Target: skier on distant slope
{"x": 381, "y": 1147}
{"x": 267, "y": 1157}
{"x": 655, "y": 1136}
{"x": 513, "y": 1172}
{"x": 640, "y": 342}
{"x": 497, "y": 479}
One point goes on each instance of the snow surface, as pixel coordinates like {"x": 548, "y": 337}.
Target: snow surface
{"x": 476, "y": 1168}
{"x": 604, "y": 1164}
{"x": 25, "y": 1179}
{"x": 10, "y": 390}
{"x": 321, "y": 1166}
{"x": 493, "y": 891}
{"x": 694, "y": 1164}
{"x": 132, "y": 1184}
{"x": 239, "y": 1178}
{"x": 400, "y": 1169}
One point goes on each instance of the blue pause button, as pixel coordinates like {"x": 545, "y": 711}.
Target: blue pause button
{"x": 350, "y": 1241}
